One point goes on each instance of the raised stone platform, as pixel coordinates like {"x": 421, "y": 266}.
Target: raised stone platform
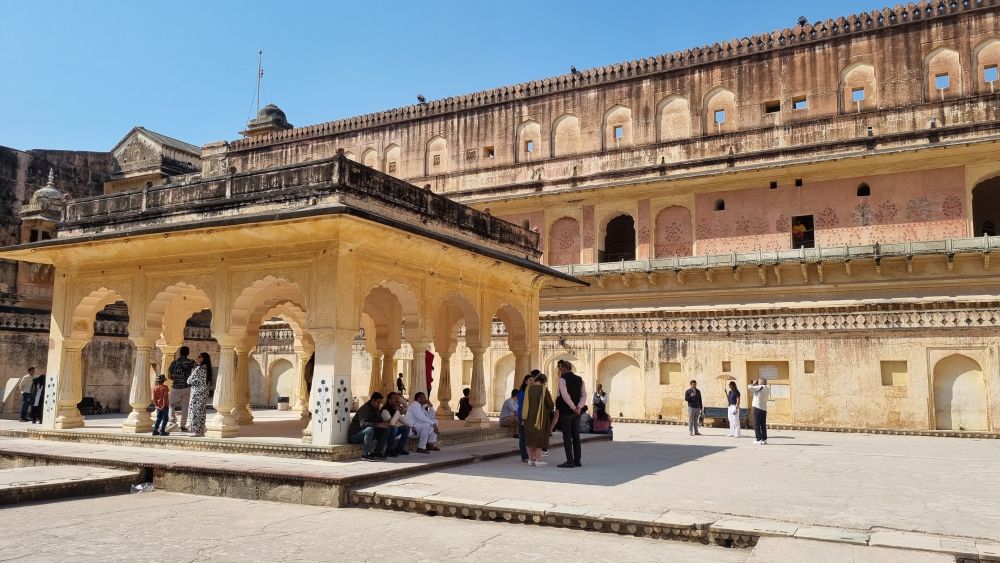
{"x": 274, "y": 433}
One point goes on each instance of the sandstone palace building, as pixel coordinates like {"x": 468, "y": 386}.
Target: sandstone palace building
{"x": 817, "y": 205}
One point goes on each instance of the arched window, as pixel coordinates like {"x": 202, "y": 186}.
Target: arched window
{"x": 864, "y": 190}
{"x": 720, "y": 205}
{"x": 619, "y": 240}
{"x": 986, "y": 207}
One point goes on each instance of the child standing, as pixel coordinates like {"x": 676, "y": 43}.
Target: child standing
{"x": 161, "y": 399}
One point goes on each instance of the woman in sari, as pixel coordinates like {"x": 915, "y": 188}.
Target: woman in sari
{"x": 199, "y": 382}
{"x": 536, "y": 415}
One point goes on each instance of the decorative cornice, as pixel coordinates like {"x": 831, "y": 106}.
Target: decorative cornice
{"x": 882, "y": 317}
{"x": 735, "y": 48}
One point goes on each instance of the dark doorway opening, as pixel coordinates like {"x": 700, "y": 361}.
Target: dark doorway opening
{"x": 986, "y": 207}
{"x": 619, "y": 240}
{"x": 803, "y": 235}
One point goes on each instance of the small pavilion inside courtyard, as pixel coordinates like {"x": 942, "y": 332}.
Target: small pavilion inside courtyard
{"x": 343, "y": 254}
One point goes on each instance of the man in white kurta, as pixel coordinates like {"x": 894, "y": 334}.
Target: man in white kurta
{"x": 424, "y": 424}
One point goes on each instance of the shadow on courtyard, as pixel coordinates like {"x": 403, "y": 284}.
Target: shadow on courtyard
{"x": 604, "y": 463}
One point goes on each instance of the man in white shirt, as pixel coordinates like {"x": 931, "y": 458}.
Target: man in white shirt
{"x": 424, "y": 424}
{"x": 24, "y": 386}
{"x": 761, "y": 393}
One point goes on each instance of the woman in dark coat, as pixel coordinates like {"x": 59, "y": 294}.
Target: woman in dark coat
{"x": 37, "y": 399}
{"x": 536, "y": 414}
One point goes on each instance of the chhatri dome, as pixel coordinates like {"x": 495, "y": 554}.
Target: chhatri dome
{"x": 48, "y": 192}
{"x": 269, "y": 118}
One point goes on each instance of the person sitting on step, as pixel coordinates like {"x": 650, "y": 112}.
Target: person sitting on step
{"x": 464, "y": 405}
{"x": 394, "y": 413}
{"x": 423, "y": 423}
{"x": 368, "y": 428}
{"x": 508, "y": 412}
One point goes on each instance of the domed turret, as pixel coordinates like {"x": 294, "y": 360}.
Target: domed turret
{"x": 269, "y": 118}
{"x": 46, "y": 204}
{"x": 47, "y": 193}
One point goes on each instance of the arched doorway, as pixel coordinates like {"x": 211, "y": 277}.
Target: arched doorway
{"x": 959, "y": 394}
{"x": 503, "y": 380}
{"x": 281, "y": 379}
{"x": 619, "y": 240}
{"x": 986, "y": 207}
{"x": 621, "y": 377}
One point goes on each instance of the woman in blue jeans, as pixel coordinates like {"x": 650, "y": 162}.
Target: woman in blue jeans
{"x": 528, "y": 379}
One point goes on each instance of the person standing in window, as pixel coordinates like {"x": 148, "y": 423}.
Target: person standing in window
{"x": 693, "y": 398}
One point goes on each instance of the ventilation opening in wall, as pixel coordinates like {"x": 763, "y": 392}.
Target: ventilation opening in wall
{"x": 773, "y": 106}
{"x": 798, "y": 182}
{"x": 489, "y": 152}
{"x": 990, "y": 75}
{"x": 803, "y": 235}
{"x": 727, "y": 367}
{"x": 720, "y": 116}
{"x": 809, "y": 366}
{"x": 670, "y": 373}
{"x": 619, "y": 133}
{"x": 857, "y": 95}
{"x": 893, "y": 373}
{"x": 800, "y": 103}
{"x": 942, "y": 81}
{"x": 864, "y": 190}
{"x": 720, "y": 205}
{"x": 774, "y": 184}
{"x": 391, "y": 167}
{"x": 529, "y": 147}
{"x": 526, "y": 224}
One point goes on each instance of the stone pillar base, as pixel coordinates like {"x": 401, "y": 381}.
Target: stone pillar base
{"x": 67, "y": 420}
{"x": 222, "y": 426}
{"x": 243, "y": 415}
{"x": 136, "y": 423}
{"x": 445, "y": 414}
{"x": 477, "y": 423}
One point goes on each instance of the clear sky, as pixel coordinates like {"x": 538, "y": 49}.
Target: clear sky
{"x": 79, "y": 75}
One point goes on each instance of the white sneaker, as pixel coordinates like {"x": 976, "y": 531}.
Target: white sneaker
{"x": 757, "y": 442}
{"x": 763, "y": 443}
{"x": 545, "y": 453}
{"x": 531, "y": 462}
{"x": 541, "y": 463}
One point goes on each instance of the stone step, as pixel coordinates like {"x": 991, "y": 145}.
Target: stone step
{"x": 743, "y": 533}
{"x": 29, "y": 484}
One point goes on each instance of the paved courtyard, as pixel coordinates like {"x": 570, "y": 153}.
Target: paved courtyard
{"x": 865, "y": 482}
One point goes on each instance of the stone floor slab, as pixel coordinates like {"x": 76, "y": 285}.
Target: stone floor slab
{"x": 924, "y": 542}
{"x": 754, "y": 527}
{"x": 837, "y": 535}
{"x": 784, "y": 550}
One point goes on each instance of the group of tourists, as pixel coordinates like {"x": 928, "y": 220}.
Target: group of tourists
{"x": 32, "y": 396}
{"x": 538, "y": 415}
{"x": 383, "y": 425}
{"x": 761, "y": 393}
{"x": 189, "y": 392}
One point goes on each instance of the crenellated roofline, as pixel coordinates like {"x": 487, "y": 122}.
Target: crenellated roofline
{"x": 733, "y": 49}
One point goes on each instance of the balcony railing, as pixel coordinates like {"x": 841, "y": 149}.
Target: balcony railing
{"x": 976, "y": 245}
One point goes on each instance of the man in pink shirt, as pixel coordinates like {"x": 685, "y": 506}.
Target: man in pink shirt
{"x": 572, "y": 397}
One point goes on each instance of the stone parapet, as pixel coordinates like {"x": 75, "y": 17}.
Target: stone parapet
{"x": 764, "y": 44}
{"x": 294, "y": 187}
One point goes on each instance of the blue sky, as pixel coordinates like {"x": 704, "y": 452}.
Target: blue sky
{"x": 78, "y": 75}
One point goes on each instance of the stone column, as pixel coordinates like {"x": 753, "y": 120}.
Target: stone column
{"x": 69, "y": 391}
{"x": 168, "y": 351}
{"x": 375, "y": 381}
{"x": 644, "y": 231}
{"x": 388, "y": 377}
{"x": 224, "y": 424}
{"x": 330, "y": 400}
{"x": 301, "y": 403}
{"x": 139, "y": 396}
{"x": 418, "y": 369}
{"x": 477, "y": 391}
{"x": 443, "y": 383}
{"x": 242, "y": 411}
{"x": 522, "y": 365}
